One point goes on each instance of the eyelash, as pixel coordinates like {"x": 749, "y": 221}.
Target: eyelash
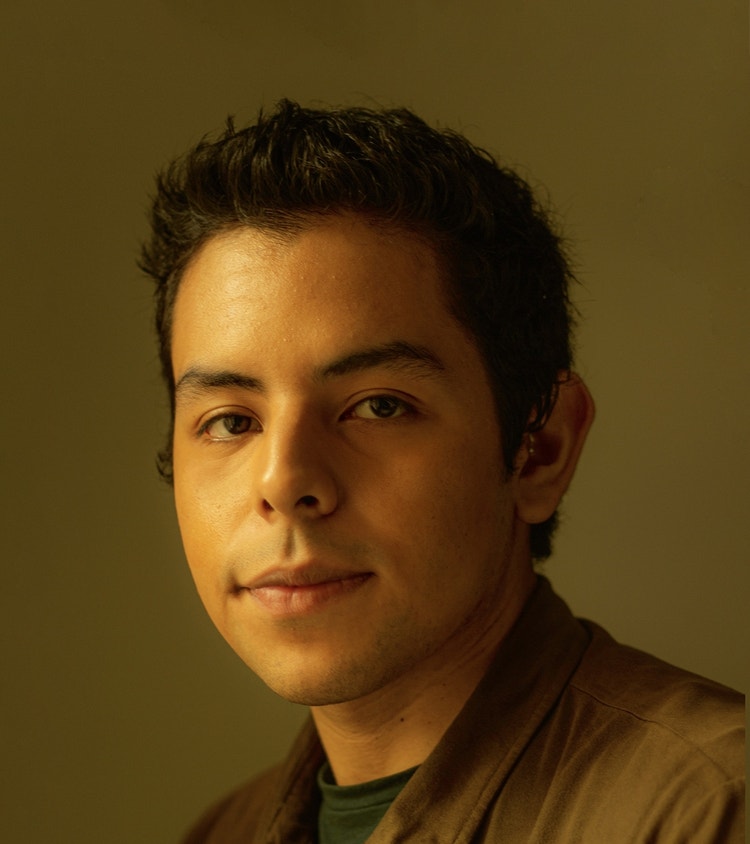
{"x": 400, "y": 408}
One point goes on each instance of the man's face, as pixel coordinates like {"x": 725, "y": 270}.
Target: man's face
{"x": 338, "y": 473}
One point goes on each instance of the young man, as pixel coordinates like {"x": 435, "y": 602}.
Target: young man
{"x": 365, "y": 331}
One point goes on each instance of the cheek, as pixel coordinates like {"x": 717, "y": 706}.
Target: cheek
{"x": 197, "y": 528}
{"x": 447, "y": 504}
{"x": 203, "y": 527}
{"x": 466, "y": 483}
{"x": 207, "y": 504}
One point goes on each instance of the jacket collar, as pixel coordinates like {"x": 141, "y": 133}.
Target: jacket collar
{"x": 449, "y": 795}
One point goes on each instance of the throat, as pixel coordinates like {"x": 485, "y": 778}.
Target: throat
{"x": 397, "y": 726}
{"x": 392, "y": 730}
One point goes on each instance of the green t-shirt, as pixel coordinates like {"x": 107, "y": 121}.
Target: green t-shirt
{"x": 349, "y": 813}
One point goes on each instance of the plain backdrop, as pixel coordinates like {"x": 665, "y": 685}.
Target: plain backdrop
{"x": 123, "y": 713}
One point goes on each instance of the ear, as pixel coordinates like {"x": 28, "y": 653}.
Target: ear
{"x": 546, "y": 461}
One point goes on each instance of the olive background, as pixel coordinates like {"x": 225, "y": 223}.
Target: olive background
{"x": 122, "y": 712}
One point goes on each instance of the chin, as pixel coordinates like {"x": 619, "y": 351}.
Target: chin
{"x": 324, "y": 687}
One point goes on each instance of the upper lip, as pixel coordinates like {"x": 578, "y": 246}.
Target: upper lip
{"x": 302, "y": 575}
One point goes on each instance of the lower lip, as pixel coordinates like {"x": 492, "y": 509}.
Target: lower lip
{"x": 300, "y": 600}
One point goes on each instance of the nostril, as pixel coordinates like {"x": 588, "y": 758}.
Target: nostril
{"x": 308, "y": 501}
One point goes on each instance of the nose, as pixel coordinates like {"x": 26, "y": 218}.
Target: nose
{"x": 294, "y": 475}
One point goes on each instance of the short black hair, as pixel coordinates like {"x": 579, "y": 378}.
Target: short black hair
{"x": 507, "y": 273}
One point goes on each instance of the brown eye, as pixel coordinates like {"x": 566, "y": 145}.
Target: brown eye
{"x": 228, "y": 426}
{"x": 380, "y": 407}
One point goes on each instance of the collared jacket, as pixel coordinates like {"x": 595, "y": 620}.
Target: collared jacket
{"x": 570, "y": 738}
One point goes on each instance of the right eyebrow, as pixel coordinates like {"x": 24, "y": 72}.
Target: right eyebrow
{"x": 196, "y": 382}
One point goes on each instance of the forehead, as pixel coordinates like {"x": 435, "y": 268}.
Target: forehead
{"x": 342, "y": 282}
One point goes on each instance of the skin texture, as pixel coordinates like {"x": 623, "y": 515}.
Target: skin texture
{"x": 339, "y": 482}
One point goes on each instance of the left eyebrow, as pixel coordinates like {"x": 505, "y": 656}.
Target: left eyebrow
{"x": 399, "y": 356}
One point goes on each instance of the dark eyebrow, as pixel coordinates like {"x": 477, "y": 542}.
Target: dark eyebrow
{"x": 399, "y": 356}
{"x": 196, "y": 381}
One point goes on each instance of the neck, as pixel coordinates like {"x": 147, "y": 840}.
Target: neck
{"x": 398, "y": 726}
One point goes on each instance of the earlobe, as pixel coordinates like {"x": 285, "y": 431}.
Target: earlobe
{"x": 547, "y": 459}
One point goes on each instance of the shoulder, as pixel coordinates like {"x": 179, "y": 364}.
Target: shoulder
{"x": 238, "y": 813}
{"x": 665, "y": 747}
{"x": 632, "y": 750}
{"x": 279, "y": 804}
{"x": 654, "y": 702}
